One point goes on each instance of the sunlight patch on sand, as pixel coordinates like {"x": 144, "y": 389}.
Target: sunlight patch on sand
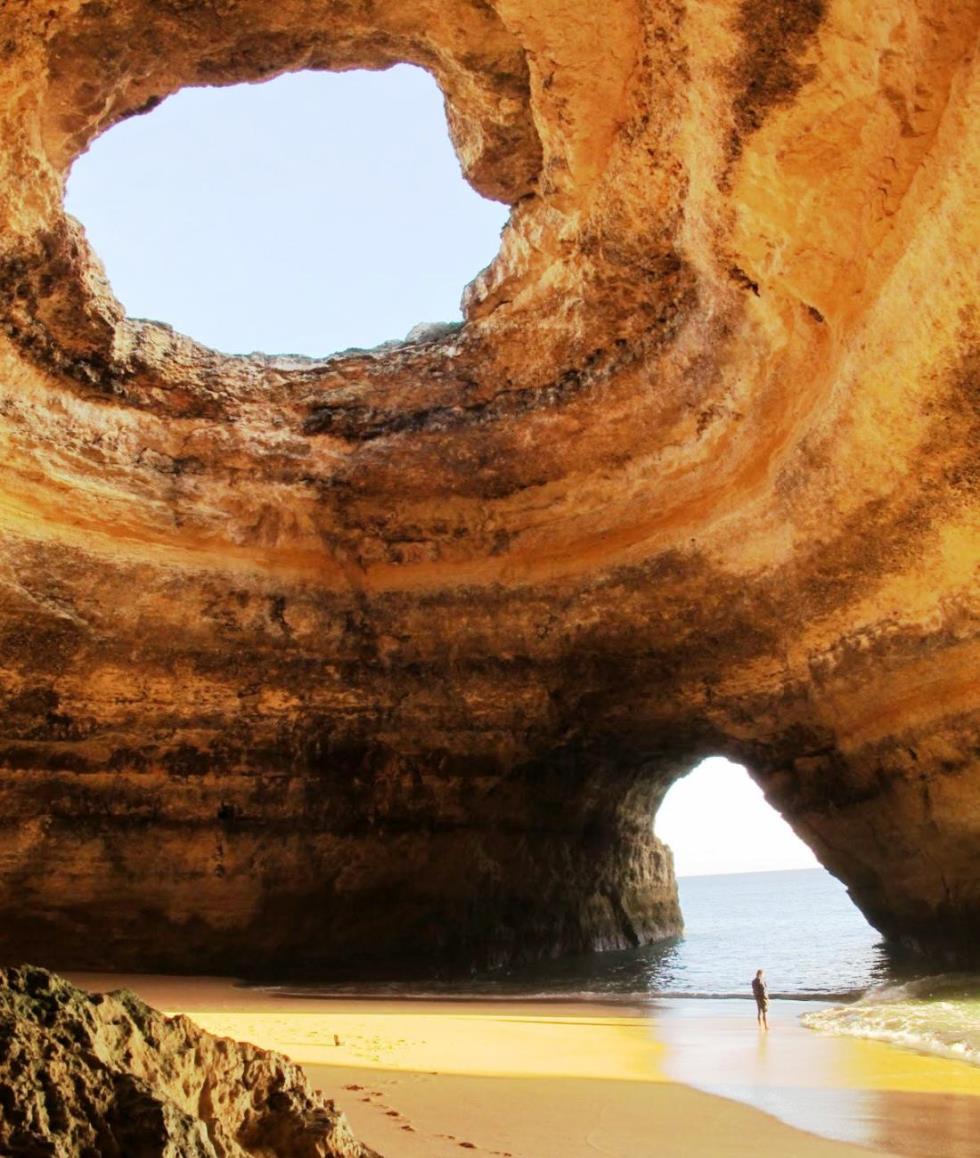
{"x": 484, "y": 1042}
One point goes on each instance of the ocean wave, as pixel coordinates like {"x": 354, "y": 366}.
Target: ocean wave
{"x": 936, "y": 1015}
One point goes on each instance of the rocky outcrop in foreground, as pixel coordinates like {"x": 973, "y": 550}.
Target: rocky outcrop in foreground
{"x": 105, "y": 1076}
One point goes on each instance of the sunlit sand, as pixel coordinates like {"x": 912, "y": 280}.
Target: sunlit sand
{"x": 538, "y": 1079}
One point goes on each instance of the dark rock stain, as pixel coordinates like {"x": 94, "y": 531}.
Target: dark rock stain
{"x": 767, "y": 72}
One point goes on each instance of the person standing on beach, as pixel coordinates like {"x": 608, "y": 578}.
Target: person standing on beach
{"x": 761, "y": 995}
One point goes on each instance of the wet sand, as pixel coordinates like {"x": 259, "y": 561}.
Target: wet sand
{"x": 860, "y": 1091}
{"x": 536, "y": 1080}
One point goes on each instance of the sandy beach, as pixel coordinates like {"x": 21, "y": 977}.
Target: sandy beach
{"x": 535, "y": 1080}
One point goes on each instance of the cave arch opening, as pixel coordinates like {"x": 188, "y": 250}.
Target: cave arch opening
{"x": 716, "y": 820}
{"x": 753, "y": 895}
{"x": 314, "y": 212}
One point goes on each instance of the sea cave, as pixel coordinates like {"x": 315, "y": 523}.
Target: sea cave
{"x": 387, "y": 658}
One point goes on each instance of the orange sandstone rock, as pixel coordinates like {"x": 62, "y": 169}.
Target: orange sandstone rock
{"x": 396, "y": 653}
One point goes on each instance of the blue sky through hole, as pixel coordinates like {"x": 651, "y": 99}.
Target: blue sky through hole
{"x": 319, "y": 211}
{"x": 311, "y": 213}
{"x": 717, "y": 821}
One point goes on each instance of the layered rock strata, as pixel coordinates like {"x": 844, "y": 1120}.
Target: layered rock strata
{"x": 393, "y": 655}
{"x": 106, "y": 1076}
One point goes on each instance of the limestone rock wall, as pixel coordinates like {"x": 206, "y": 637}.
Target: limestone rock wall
{"x": 106, "y": 1076}
{"x": 395, "y": 653}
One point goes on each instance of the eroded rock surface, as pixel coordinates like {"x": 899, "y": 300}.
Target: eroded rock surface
{"x": 105, "y": 1076}
{"x": 394, "y": 654}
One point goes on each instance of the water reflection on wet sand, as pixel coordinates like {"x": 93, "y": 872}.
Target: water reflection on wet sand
{"x": 864, "y": 1092}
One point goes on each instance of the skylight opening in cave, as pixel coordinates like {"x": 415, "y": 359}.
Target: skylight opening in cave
{"x": 305, "y": 215}
{"x": 717, "y": 820}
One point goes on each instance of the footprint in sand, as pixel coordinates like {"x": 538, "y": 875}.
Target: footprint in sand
{"x": 410, "y": 1129}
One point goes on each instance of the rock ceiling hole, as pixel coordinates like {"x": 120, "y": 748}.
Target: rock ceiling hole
{"x": 309, "y": 214}
{"x": 716, "y": 820}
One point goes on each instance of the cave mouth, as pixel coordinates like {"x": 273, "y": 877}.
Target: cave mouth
{"x": 753, "y": 895}
{"x": 315, "y": 212}
{"x": 716, "y": 820}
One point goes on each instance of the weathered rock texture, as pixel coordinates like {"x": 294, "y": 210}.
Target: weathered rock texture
{"x": 105, "y": 1076}
{"x": 395, "y": 654}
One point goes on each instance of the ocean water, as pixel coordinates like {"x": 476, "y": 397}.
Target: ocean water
{"x": 800, "y": 926}
{"x": 937, "y": 1015}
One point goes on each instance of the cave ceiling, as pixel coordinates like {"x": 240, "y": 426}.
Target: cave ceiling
{"x": 396, "y": 652}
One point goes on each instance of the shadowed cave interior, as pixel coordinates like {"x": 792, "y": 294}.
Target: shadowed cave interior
{"x": 392, "y": 655}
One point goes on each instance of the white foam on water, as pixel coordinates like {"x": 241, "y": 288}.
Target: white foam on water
{"x": 934, "y": 1015}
